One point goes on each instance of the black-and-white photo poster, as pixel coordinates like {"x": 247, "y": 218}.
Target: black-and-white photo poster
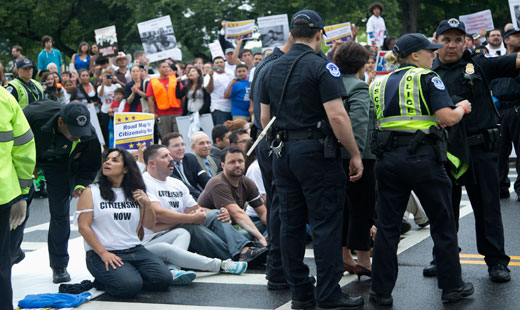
{"x": 106, "y": 39}
{"x": 159, "y": 39}
{"x": 514, "y": 7}
{"x": 274, "y": 30}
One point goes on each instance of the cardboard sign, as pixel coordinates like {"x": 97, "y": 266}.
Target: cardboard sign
{"x": 159, "y": 39}
{"x": 476, "y": 21}
{"x": 514, "y": 7}
{"x": 341, "y": 32}
{"x": 274, "y": 30}
{"x": 240, "y": 30}
{"x": 216, "y": 50}
{"x": 106, "y": 39}
{"x": 133, "y": 129}
{"x": 382, "y": 67}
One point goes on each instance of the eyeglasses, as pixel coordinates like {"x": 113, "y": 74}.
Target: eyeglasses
{"x": 245, "y": 141}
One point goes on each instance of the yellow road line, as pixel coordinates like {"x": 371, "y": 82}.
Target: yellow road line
{"x": 481, "y": 262}
{"x": 480, "y": 256}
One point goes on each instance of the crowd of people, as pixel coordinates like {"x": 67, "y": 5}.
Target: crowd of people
{"x": 151, "y": 217}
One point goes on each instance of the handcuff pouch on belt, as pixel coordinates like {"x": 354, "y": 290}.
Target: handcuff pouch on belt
{"x": 381, "y": 143}
{"x": 440, "y": 143}
{"x": 332, "y": 148}
{"x": 487, "y": 138}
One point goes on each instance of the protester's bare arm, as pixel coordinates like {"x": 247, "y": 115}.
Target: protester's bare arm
{"x": 242, "y": 219}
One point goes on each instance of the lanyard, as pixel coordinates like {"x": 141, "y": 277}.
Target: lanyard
{"x": 37, "y": 96}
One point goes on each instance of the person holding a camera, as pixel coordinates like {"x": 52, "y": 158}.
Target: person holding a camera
{"x": 238, "y": 91}
{"x": 51, "y": 89}
{"x": 106, "y": 95}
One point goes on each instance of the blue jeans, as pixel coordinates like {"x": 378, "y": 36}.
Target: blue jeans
{"x": 219, "y": 117}
{"x": 215, "y": 238}
{"x": 141, "y": 270}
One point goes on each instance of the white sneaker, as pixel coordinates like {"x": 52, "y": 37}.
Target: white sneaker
{"x": 181, "y": 277}
{"x": 229, "y": 266}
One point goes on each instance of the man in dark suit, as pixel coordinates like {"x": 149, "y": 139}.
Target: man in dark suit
{"x": 187, "y": 168}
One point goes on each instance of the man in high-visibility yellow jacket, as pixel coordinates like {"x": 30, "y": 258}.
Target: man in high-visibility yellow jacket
{"x": 17, "y": 161}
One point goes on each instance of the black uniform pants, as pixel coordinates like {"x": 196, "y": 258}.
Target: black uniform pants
{"x": 311, "y": 188}
{"x": 274, "y": 259}
{"x": 358, "y": 214}
{"x": 6, "y": 291}
{"x": 58, "y": 189}
{"x": 485, "y": 200}
{"x": 509, "y": 133}
{"x": 397, "y": 174}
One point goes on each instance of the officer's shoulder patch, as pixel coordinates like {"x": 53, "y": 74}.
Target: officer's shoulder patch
{"x": 9, "y": 88}
{"x": 333, "y": 69}
{"x": 437, "y": 82}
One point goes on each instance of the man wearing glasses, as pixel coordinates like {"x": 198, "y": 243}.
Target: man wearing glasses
{"x": 240, "y": 138}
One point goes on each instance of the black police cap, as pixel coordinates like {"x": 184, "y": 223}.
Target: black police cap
{"x": 24, "y": 63}
{"x": 77, "y": 118}
{"x": 413, "y": 42}
{"x": 314, "y": 19}
{"x": 510, "y": 32}
{"x": 448, "y": 24}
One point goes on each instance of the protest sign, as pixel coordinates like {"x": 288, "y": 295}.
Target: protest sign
{"x": 382, "y": 67}
{"x": 477, "y": 21}
{"x": 95, "y": 123}
{"x": 216, "y": 50}
{"x": 274, "y": 30}
{"x": 240, "y": 30}
{"x": 131, "y": 130}
{"x": 106, "y": 39}
{"x": 192, "y": 123}
{"x": 159, "y": 39}
{"x": 341, "y": 32}
{"x": 514, "y": 7}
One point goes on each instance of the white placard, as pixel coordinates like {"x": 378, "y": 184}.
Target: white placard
{"x": 341, "y": 32}
{"x": 274, "y": 30}
{"x": 95, "y": 123}
{"x": 216, "y": 50}
{"x": 159, "y": 39}
{"x": 514, "y": 7}
{"x": 477, "y": 21}
{"x": 133, "y": 129}
{"x": 106, "y": 39}
{"x": 240, "y": 30}
{"x": 192, "y": 123}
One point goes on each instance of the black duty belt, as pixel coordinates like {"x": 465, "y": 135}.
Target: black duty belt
{"x": 300, "y": 134}
{"x": 405, "y": 140}
{"x": 509, "y": 104}
{"x": 477, "y": 139}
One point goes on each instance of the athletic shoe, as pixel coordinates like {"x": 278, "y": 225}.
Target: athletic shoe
{"x": 181, "y": 277}
{"x": 229, "y": 266}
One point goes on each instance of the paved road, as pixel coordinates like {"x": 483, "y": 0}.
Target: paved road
{"x": 248, "y": 291}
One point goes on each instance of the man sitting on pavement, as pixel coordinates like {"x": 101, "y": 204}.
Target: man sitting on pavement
{"x": 211, "y": 232}
{"x": 187, "y": 168}
{"x": 231, "y": 189}
{"x": 239, "y": 138}
{"x": 220, "y": 136}
{"x": 201, "y": 147}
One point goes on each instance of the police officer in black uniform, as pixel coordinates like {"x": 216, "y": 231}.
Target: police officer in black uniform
{"x": 507, "y": 91}
{"x": 474, "y": 140}
{"x": 411, "y": 149}
{"x": 275, "y": 276}
{"x": 68, "y": 151}
{"x": 304, "y": 91}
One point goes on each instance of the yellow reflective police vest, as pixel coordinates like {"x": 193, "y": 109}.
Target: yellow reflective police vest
{"x": 23, "y": 94}
{"x": 412, "y": 117}
{"x": 17, "y": 149}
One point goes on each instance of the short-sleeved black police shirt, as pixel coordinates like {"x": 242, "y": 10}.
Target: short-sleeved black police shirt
{"x": 313, "y": 82}
{"x": 434, "y": 92}
{"x": 468, "y": 78}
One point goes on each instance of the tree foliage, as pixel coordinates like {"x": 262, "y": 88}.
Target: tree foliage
{"x": 197, "y": 22}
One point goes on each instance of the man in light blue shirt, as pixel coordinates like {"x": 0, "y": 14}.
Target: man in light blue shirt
{"x": 49, "y": 55}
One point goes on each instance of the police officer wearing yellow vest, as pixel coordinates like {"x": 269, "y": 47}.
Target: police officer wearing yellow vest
{"x": 23, "y": 88}
{"x": 412, "y": 107}
{"x": 17, "y": 161}
{"x": 474, "y": 140}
